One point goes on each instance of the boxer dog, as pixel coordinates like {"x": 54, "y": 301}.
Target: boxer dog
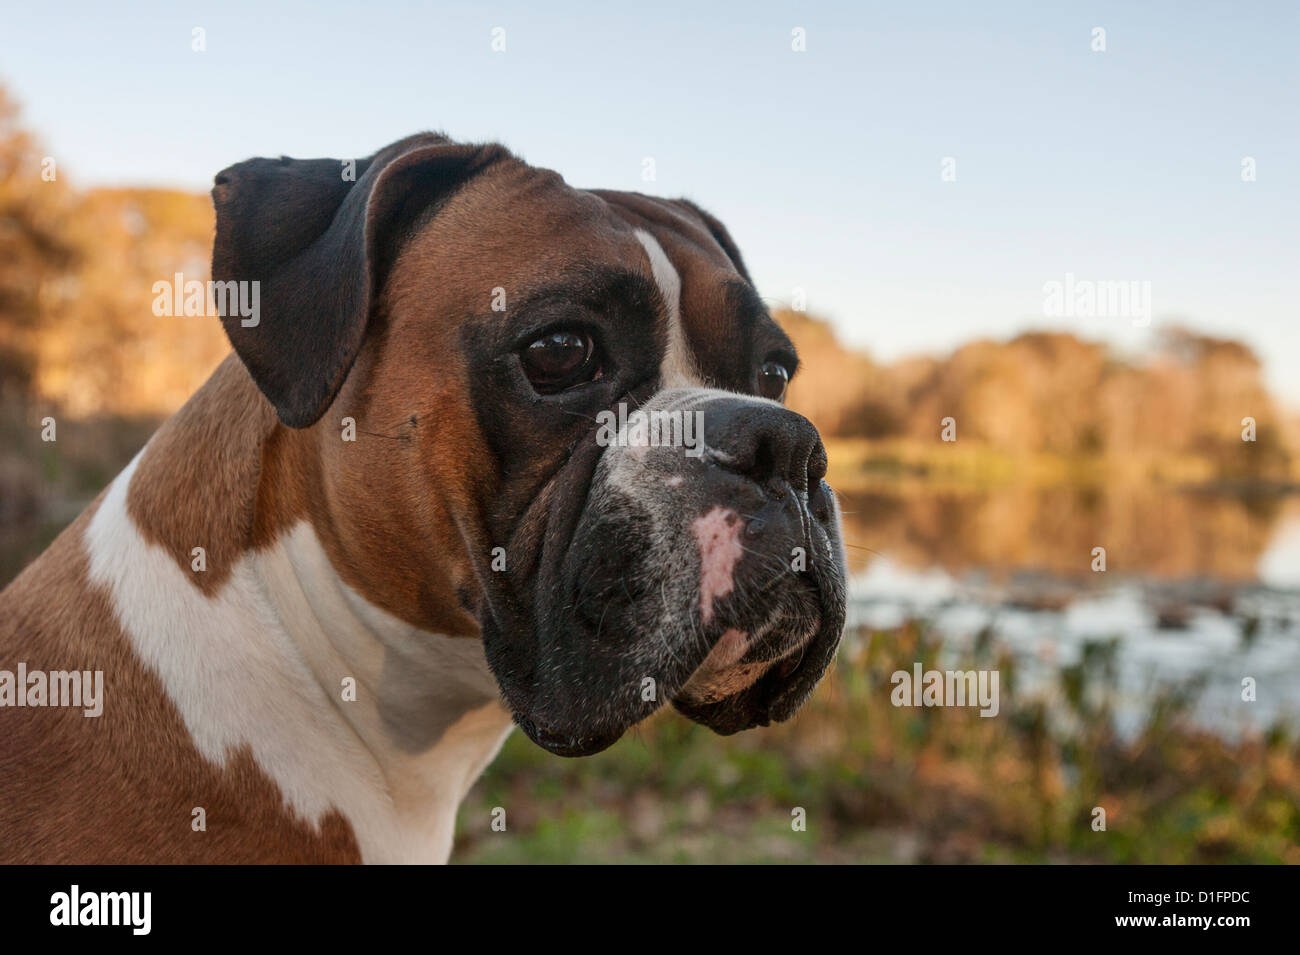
{"x": 391, "y": 524}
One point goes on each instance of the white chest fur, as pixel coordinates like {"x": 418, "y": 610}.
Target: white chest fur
{"x": 262, "y": 664}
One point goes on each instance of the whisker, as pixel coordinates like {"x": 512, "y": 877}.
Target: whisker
{"x": 390, "y": 437}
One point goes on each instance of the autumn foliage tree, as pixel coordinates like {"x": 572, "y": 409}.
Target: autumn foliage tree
{"x": 36, "y": 253}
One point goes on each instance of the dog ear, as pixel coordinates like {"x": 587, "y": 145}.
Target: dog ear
{"x": 720, "y": 235}
{"x": 317, "y": 236}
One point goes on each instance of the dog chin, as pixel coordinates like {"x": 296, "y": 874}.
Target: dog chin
{"x": 765, "y": 680}
{"x": 772, "y": 697}
{"x": 738, "y": 686}
{"x": 566, "y": 744}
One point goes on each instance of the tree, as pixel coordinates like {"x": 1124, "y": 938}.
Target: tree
{"x": 35, "y": 254}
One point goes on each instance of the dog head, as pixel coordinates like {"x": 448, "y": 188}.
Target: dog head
{"x": 570, "y": 436}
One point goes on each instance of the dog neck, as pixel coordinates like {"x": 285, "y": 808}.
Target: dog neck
{"x": 222, "y": 578}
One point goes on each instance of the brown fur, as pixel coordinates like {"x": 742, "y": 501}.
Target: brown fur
{"x": 121, "y": 788}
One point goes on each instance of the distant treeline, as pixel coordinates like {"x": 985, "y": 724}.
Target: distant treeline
{"x": 1055, "y": 393}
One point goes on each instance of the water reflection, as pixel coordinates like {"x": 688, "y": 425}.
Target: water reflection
{"x": 1148, "y": 532}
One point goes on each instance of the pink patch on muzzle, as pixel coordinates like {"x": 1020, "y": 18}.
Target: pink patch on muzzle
{"x": 718, "y": 535}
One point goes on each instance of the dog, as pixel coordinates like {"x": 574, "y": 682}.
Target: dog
{"x": 426, "y": 499}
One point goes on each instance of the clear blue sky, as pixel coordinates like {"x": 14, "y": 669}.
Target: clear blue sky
{"x": 825, "y": 164}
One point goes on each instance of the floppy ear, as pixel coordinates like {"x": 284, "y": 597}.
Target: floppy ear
{"x": 318, "y": 246}
{"x": 721, "y": 236}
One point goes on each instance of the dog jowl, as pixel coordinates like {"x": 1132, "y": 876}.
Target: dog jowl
{"x": 405, "y": 482}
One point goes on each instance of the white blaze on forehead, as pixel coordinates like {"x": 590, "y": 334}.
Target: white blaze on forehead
{"x": 677, "y": 370}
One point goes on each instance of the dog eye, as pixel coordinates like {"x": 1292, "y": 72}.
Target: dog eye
{"x": 773, "y": 378}
{"x": 560, "y": 359}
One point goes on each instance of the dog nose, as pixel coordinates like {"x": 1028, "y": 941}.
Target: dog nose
{"x": 765, "y": 442}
